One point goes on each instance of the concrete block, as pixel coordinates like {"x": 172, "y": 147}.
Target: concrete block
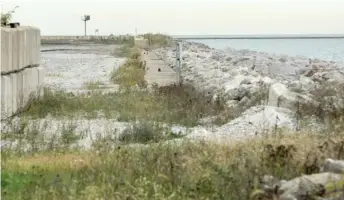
{"x": 38, "y": 46}
{"x": 14, "y": 93}
{"x": 6, "y": 97}
{"x": 26, "y": 86}
{"x": 41, "y": 74}
{"x": 34, "y": 82}
{"x": 15, "y": 50}
{"x": 28, "y": 43}
{"x": 22, "y": 47}
{"x": 4, "y": 42}
{"x": 20, "y": 90}
{"x": 6, "y": 50}
{"x": 30, "y": 83}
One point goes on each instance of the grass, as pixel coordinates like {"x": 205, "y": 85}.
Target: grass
{"x": 186, "y": 170}
{"x": 92, "y": 85}
{"x": 116, "y": 39}
{"x": 146, "y": 133}
{"x": 165, "y": 105}
{"x": 132, "y": 72}
{"x": 155, "y": 40}
{"x": 124, "y": 50}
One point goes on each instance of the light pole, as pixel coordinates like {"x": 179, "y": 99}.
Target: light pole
{"x": 85, "y": 18}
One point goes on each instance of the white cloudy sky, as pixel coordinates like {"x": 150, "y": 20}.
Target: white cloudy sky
{"x": 182, "y": 17}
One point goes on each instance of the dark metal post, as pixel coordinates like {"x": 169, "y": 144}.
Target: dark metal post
{"x": 178, "y": 61}
{"x": 85, "y": 18}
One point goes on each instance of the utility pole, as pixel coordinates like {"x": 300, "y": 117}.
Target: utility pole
{"x": 85, "y": 18}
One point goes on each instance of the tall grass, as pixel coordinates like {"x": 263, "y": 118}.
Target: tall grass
{"x": 132, "y": 72}
{"x": 172, "y": 105}
{"x": 184, "y": 170}
{"x": 154, "y": 40}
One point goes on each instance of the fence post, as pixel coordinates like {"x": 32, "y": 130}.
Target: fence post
{"x": 177, "y": 63}
{"x": 179, "y": 58}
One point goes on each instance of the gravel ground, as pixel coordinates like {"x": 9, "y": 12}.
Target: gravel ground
{"x": 71, "y": 67}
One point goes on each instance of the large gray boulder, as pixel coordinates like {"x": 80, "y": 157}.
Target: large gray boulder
{"x": 281, "y": 96}
{"x": 309, "y": 185}
{"x": 333, "y": 166}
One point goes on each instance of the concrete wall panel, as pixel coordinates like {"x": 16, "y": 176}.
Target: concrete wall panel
{"x": 41, "y": 74}
{"x": 22, "y": 47}
{"x": 4, "y": 50}
{"x": 34, "y": 81}
{"x": 6, "y": 97}
{"x": 6, "y": 53}
{"x": 30, "y": 84}
{"x": 20, "y": 89}
{"x": 14, "y": 93}
{"x": 15, "y": 51}
{"x": 21, "y": 77}
{"x": 29, "y": 46}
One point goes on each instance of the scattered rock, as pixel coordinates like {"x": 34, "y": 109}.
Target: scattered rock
{"x": 314, "y": 186}
{"x": 281, "y": 96}
{"x": 334, "y": 166}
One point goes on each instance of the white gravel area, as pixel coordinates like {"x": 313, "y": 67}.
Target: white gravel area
{"x": 74, "y": 67}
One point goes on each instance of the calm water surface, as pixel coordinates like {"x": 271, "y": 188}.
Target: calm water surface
{"x": 325, "y": 49}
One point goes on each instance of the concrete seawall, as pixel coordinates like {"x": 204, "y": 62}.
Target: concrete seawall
{"x": 21, "y": 74}
{"x": 71, "y": 39}
{"x": 55, "y": 40}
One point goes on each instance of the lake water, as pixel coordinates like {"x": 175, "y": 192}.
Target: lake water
{"x": 325, "y": 49}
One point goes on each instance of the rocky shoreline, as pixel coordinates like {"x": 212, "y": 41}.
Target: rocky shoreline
{"x": 239, "y": 76}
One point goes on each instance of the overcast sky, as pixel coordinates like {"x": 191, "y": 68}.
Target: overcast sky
{"x": 182, "y": 17}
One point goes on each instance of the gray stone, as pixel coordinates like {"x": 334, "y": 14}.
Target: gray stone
{"x": 232, "y": 103}
{"x": 281, "y": 96}
{"x": 309, "y": 184}
{"x": 334, "y": 166}
{"x": 287, "y": 197}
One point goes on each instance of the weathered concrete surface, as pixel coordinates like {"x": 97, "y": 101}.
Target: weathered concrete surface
{"x": 14, "y": 92}
{"x": 166, "y": 76}
{"x": 20, "y": 48}
{"x": 6, "y": 97}
{"x": 20, "y": 56}
{"x": 41, "y": 74}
